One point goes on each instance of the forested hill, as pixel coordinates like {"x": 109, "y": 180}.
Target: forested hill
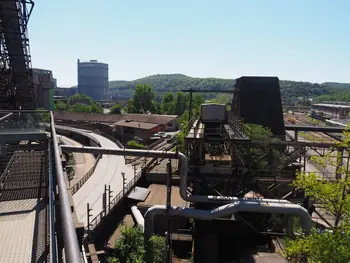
{"x": 170, "y": 82}
{"x": 291, "y": 91}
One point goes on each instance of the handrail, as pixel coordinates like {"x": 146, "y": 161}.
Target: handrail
{"x": 6, "y": 116}
{"x": 149, "y": 147}
{"x": 86, "y": 176}
{"x": 71, "y": 245}
{"x": 98, "y": 218}
{"x": 53, "y": 255}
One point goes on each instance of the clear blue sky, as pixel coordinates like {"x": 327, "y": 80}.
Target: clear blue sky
{"x": 306, "y": 40}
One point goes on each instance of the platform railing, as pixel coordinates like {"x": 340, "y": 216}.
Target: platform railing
{"x": 84, "y": 179}
{"x": 71, "y": 245}
{"x": 116, "y": 200}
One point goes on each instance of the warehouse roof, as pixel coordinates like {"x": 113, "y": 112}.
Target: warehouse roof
{"x": 113, "y": 118}
{"x": 332, "y": 105}
{"x": 136, "y": 124}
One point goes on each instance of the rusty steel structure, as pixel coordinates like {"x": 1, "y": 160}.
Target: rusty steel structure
{"x": 16, "y": 83}
{"x": 231, "y": 159}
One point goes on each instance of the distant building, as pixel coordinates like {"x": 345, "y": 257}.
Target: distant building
{"x": 93, "y": 79}
{"x": 335, "y": 110}
{"x": 44, "y": 85}
{"x": 125, "y": 126}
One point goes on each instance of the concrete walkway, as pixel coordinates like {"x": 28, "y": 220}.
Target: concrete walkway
{"x": 107, "y": 172}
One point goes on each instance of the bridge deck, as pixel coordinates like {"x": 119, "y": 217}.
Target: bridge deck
{"x": 24, "y": 222}
{"x": 24, "y": 231}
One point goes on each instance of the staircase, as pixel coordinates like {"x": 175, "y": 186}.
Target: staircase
{"x": 294, "y": 156}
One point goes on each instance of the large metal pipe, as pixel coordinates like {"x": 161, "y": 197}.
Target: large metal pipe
{"x": 228, "y": 209}
{"x": 6, "y": 116}
{"x": 71, "y": 245}
{"x": 140, "y": 221}
{"x": 183, "y": 166}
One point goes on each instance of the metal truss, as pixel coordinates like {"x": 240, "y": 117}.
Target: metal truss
{"x": 16, "y": 81}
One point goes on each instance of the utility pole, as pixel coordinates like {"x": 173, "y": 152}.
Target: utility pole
{"x": 88, "y": 218}
{"x": 104, "y": 199}
{"x": 109, "y": 197}
{"x": 168, "y": 215}
{"x": 123, "y": 175}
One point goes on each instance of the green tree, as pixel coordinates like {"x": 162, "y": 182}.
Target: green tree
{"x": 94, "y": 108}
{"x": 142, "y": 100}
{"x": 80, "y": 108}
{"x": 80, "y": 99}
{"x": 262, "y": 156}
{"x": 180, "y": 103}
{"x": 130, "y": 248}
{"x": 79, "y": 103}
{"x": 61, "y": 106}
{"x": 116, "y": 109}
{"x": 332, "y": 197}
{"x": 167, "y": 105}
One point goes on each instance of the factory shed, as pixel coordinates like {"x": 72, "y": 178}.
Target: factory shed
{"x": 331, "y": 110}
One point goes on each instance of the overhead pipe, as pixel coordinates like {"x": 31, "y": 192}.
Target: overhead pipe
{"x": 183, "y": 167}
{"x": 140, "y": 221}
{"x": 5, "y": 116}
{"x": 228, "y": 209}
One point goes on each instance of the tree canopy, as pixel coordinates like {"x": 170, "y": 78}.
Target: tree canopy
{"x": 78, "y": 103}
{"x": 130, "y": 248}
{"x": 292, "y": 92}
{"x": 332, "y": 197}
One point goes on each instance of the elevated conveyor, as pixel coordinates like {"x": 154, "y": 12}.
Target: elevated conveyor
{"x": 16, "y": 85}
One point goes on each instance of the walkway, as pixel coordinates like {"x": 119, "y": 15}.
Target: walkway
{"x": 24, "y": 226}
{"x": 107, "y": 172}
{"x": 23, "y": 231}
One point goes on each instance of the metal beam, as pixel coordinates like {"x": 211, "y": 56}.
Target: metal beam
{"x": 314, "y": 128}
{"x": 6, "y": 116}
{"x": 272, "y": 142}
{"x": 208, "y": 91}
{"x": 71, "y": 245}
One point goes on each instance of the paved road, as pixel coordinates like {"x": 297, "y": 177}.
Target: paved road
{"x": 108, "y": 172}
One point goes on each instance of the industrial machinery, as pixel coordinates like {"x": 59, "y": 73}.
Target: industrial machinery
{"x": 16, "y": 84}
{"x": 224, "y": 161}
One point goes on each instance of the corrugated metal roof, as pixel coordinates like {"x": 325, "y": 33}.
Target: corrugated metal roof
{"x": 113, "y": 118}
{"x": 136, "y": 124}
{"x": 139, "y": 193}
{"x": 331, "y": 105}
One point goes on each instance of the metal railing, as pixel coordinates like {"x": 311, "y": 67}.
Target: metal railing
{"x": 121, "y": 195}
{"x": 84, "y": 179}
{"x": 53, "y": 244}
{"x": 149, "y": 147}
{"x": 71, "y": 245}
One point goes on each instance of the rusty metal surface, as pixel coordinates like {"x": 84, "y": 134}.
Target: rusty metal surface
{"x": 113, "y": 118}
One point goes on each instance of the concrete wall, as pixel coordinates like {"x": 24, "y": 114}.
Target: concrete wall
{"x": 172, "y": 126}
{"x": 331, "y": 112}
{"x": 43, "y": 88}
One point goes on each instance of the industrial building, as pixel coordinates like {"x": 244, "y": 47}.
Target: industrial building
{"x": 124, "y": 126}
{"x": 93, "y": 79}
{"x": 331, "y": 111}
{"x": 44, "y": 85}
